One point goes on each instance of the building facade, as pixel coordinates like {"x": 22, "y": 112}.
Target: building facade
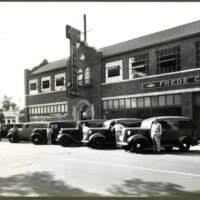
{"x": 46, "y": 88}
{"x": 157, "y": 74}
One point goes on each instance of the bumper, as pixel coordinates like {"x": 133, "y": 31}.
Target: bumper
{"x": 194, "y": 142}
{"x": 122, "y": 143}
{"x": 85, "y": 141}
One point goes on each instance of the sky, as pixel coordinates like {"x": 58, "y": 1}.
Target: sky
{"x": 33, "y": 31}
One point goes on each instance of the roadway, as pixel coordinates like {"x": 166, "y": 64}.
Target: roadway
{"x": 52, "y": 170}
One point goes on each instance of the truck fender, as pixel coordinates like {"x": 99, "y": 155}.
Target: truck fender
{"x": 95, "y": 136}
{"x": 186, "y": 138}
{"x": 68, "y": 136}
{"x": 33, "y": 134}
{"x": 9, "y": 134}
{"x": 137, "y": 136}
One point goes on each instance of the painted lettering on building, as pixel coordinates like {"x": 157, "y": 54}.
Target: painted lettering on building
{"x": 171, "y": 82}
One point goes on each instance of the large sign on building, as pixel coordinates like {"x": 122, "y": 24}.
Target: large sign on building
{"x": 172, "y": 82}
{"x": 74, "y": 36}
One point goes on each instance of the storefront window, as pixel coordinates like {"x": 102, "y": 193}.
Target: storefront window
{"x": 177, "y": 99}
{"x": 169, "y": 100}
{"x": 127, "y": 103}
{"x": 115, "y": 104}
{"x": 161, "y": 100}
{"x": 147, "y": 101}
{"x": 105, "y": 105}
{"x": 154, "y": 101}
{"x": 140, "y": 102}
{"x": 110, "y": 104}
{"x": 121, "y": 103}
{"x": 134, "y": 103}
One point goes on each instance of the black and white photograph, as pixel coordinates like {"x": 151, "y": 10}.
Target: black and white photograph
{"x": 100, "y": 99}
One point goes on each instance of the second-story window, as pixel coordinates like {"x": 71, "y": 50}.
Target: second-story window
{"x": 198, "y": 55}
{"x": 168, "y": 60}
{"x": 46, "y": 84}
{"x": 60, "y": 81}
{"x": 80, "y": 77}
{"x": 33, "y": 86}
{"x": 114, "y": 71}
{"x": 87, "y": 75}
{"x": 138, "y": 66}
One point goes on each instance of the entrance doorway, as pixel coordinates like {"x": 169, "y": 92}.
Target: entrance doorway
{"x": 83, "y": 110}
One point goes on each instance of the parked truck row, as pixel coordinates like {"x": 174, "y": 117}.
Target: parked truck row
{"x": 177, "y": 131}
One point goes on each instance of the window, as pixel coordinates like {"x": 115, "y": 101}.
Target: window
{"x": 80, "y": 77}
{"x": 33, "y": 86}
{"x": 110, "y": 104}
{"x": 105, "y": 105}
{"x": 127, "y": 103}
{"x": 87, "y": 75}
{"x": 115, "y": 104}
{"x": 60, "y": 81}
{"x": 161, "y": 100}
{"x": 45, "y": 84}
{"x": 168, "y": 60}
{"x": 63, "y": 108}
{"x": 140, "y": 102}
{"x": 114, "y": 71}
{"x": 154, "y": 101}
{"x": 121, "y": 103}
{"x": 138, "y": 66}
{"x": 134, "y": 103}
{"x": 169, "y": 100}
{"x": 147, "y": 102}
{"x": 198, "y": 54}
{"x": 177, "y": 99}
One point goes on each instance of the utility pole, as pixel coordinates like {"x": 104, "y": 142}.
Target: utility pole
{"x": 85, "y": 28}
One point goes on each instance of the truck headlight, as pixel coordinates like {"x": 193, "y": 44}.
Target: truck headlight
{"x": 129, "y": 132}
{"x": 90, "y": 132}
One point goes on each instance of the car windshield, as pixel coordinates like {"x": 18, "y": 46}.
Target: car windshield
{"x": 146, "y": 123}
{"x": 130, "y": 123}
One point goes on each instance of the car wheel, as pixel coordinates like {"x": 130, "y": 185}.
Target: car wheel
{"x": 137, "y": 146}
{"x": 168, "y": 148}
{"x": 36, "y": 139}
{"x": 97, "y": 143}
{"x": 12, "y": 139}
{"x": 65, "y": 141}
{"x": 184, "y": 146}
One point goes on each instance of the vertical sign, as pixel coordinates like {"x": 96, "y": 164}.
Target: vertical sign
{"x": 74, "y": 36}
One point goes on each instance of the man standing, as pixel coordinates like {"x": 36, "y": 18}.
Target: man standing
{"x": 118, "y": 128}
{"x": 156, "y": 132}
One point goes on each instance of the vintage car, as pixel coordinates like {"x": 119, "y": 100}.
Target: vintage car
{"x": 6, "y": 127}
{"x": 24, "y": 133}
{"x": 177, "y": 131}
{"x": 39, "y": 135}
{"x": 69, "y": 136}
{"x": 105, "y": 135}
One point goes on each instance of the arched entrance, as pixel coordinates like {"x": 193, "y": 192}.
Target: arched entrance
{"x": 83, "y": 109}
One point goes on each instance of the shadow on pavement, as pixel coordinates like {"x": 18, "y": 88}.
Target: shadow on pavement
{"x": 140, "y": 188}
{"x": 39, "y": 184}
{"x": 173, "y": 152}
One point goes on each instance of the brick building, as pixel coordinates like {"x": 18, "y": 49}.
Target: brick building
{"x": 157, "y": 74}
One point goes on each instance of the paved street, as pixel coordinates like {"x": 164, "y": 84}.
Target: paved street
{"x": 51, "y": 170}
